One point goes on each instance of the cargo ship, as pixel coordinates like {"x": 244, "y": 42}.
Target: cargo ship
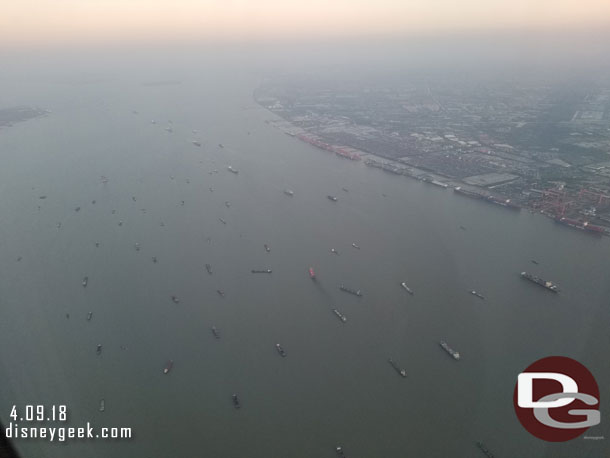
{"x": 236, "y": 402}
{"x": 343, "y": 318}
{"x": 506, "y": 203}
{"x": 407, "y": 289}
{"x": 401, "y": 372}
{"x": 484, "y": 449}
{"x": 451, "y": 351}
{"x": 280, "y": 350}
{"x": 168, "y": 367}
{"x": 341, "y": 151}
{"x": 312, "y": 274}
{"x": 539, "y": 281}
{"x": 355, "y": 292}
{"x": 581, "y": 225}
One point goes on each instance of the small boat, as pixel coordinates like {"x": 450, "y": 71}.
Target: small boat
{"x": 137, "y": 246}
{"x": 175, "y": 300}
{"x": 85, "y": 281}
{"x": 231, "y": 169}
{"x": 333, "y": 198}
{"x": 104, "y": 179}
{"x": 154, "y": 259}
{"x": 222, "y": 221}
{"x": 355, "y": 246}
{"x": 479, "y": 295}
{"x": 208, "y": 267}
{"x": 236, "y": 402}
{"x": 462, "y": 228}
{"x": 267, "y": 249}
{"x": 220, "y": 292}
{"x": 312, "y": 274}
{"x": 196, "y": 143}
{"x": 333, "y": 251}
{"x": 534, "y": 262}
{"x": 407, "y": 289}
{"x": 339, "y": 451}
{"x": 89, "y": 315}
{"x": 97, "y": 244}
{"x": 121, "y": 223}
{"x": 102, "y": 405}
{"x": 215, "y": 332}
{"x": 169, "y": 129}
{"x": 345, "y": 189}
{"x": 98, "y": 350}
{"x": 262, "y": 271}
{"x": 280, "y": 350}
{"x": 485, "y": 450}
{"x": 289, "y": 192}
{"x": 168, "y": 367}
{"x": 133, "y": 198}
{"x": 77, "y": 209}
{"x": 227, "y": 204}
{"x": 220, "y": 145}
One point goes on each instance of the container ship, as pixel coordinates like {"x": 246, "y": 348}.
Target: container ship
{"x": 341, "y": 151}
{"x": 581, "y": 225}
{"x": 539, "y": 281}
{"x": 506, "y": 203}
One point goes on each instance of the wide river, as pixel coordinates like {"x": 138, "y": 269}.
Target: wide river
{"x": 335, "y": 387}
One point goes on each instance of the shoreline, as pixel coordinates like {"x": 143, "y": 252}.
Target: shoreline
{"x": 398, "y": 167}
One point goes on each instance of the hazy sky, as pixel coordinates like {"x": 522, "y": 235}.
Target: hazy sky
{"x": 42, "y": 22}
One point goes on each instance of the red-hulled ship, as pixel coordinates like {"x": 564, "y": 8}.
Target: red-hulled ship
{"x": 312, "y": 274}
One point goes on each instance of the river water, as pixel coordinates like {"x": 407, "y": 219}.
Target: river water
{"x": 335, "y": 387}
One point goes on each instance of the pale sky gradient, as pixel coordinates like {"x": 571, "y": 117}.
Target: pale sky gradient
{"x": 42, "y": 22}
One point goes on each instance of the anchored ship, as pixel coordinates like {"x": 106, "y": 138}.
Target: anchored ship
{"x": 401, "y": 372}
{"x": 280, "y": 350}
{"x": 451, "y": 351}
{"x": 479, "y": 295}
{"x": 351, "y": 291}
{"x": 407, "y": 289}
{"x": 539, "y": 281}
{"x": 341, "y": 317}
{"x": 485, "y": 450}
{"x": 236, "y": 402}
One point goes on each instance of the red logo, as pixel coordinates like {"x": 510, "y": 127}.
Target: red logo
{"x": 556, "y": 399}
